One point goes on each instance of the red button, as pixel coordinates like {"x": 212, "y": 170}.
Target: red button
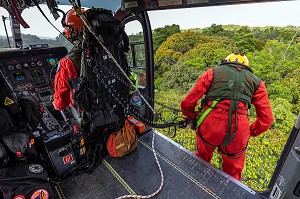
{"x": 18, "y": 153}
{"x": 75, "y": 128}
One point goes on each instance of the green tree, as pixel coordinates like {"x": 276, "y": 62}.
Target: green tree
{"x": 161, "y": 34}
{"x": 274, "y": 62}
{"x": 213, "y": 30}
{"x": 244, "y": 40}
{"x": 136, "y": 37}
{"x": 281, "y": 34}
{"x": 292, "y": 81}
{"x": 173, "y": 48}
{"x": 205, "y": 55}
{"x": 180, "y": 78}
{"x": 180, "y": 43}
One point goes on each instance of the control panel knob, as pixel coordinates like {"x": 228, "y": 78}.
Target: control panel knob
{"x": 32, "y": 64}
{"x": 18, "y": 66}
{"x": 25, "y": 65}
{"x": 39, "y": 63}
{"x": 10, "y": 67}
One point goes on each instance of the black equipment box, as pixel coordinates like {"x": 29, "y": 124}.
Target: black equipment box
{"x": 59, "y": 147}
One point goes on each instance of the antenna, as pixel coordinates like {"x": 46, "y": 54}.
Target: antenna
{"x": 3, "y": 19}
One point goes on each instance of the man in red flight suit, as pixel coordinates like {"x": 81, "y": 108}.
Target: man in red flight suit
{"x": 69, "y": 66}
{"x": 229, "y": 89}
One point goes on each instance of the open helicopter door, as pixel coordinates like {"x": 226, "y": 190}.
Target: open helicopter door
{"x": 285, "y": 182}
{"x": 140, "y": 56}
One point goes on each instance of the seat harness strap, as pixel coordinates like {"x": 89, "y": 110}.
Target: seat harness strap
{"x": 204, "y": 114}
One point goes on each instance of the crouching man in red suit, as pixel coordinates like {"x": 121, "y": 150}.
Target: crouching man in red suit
{"x": 229, "y": 90}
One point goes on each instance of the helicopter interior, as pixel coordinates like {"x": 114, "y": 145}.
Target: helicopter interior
{"x": 33, "y": 69}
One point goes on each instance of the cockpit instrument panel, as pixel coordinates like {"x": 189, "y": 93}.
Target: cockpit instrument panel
{"x": 29, "y": 69}
{"x": 32, "y": 70}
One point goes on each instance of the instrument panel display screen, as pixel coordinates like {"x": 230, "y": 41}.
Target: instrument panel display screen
{"x": 39, "y": 81}
{"x": 19, "y": 76}
{"x": 36, "y": 73}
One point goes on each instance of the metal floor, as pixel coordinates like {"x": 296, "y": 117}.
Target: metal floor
{"x": 185, "y": 175}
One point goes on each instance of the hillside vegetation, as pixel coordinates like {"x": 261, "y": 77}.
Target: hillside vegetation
{"x": 273, "y": 56}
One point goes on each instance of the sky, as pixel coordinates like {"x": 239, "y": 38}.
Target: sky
{"x": 259, "y": 14}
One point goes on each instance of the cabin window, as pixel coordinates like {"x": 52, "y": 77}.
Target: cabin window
{"x": 136, "y": 55}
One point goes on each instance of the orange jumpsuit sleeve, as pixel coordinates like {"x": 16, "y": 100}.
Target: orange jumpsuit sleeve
{"x": 65, "y": 71}
{"x": 264, "y": 116}
{"x": 189, "y": 103}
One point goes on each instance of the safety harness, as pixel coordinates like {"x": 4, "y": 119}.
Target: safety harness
{"x": 205, "y": 113}
{"x": 231, "y": 81}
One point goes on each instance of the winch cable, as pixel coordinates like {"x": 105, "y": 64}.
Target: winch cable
{"x": 42, "y": 12}
{"x": 149, "y": 123}
{"x": 287, "y": 48}
{"x": 144, "y": 120}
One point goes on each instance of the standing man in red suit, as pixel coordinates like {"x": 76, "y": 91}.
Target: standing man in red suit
{"x": 70, "y": 65}
{"x": 228, "y": 91}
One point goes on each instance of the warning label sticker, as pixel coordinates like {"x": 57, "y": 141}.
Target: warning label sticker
{"x": 8, "y": 101}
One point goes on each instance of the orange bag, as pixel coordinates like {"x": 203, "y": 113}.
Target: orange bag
{"x": 122, "y": 142}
